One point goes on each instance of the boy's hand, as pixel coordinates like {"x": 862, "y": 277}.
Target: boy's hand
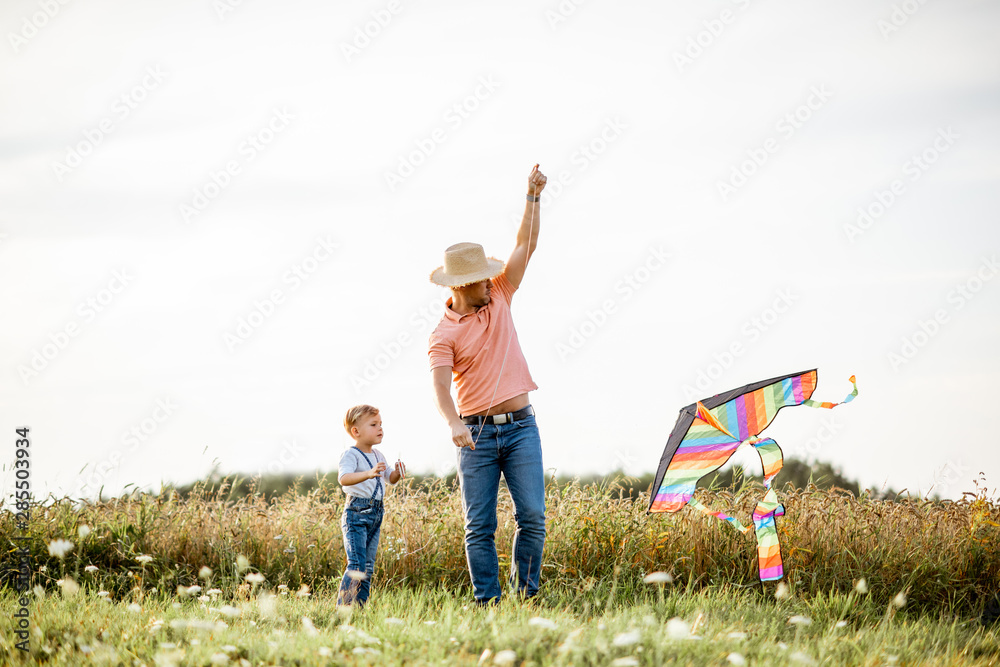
{"x": 400, "y": 469}
{"x": 377, "y": 470}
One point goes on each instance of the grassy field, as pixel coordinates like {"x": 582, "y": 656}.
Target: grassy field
{"x": 120, "y": 594}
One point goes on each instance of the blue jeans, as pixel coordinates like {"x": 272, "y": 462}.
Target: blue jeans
{"x": 515, "y": 450}
{"x": 360, "y": 524}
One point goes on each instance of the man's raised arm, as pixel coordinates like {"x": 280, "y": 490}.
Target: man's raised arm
{"x": 527, "y": 233}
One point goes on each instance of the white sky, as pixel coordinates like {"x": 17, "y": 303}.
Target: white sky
{"x": 331, "y": 125}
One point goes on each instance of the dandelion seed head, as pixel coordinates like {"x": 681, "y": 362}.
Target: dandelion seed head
{"x": 242, "y": 563}
{"x": 69, "y": 587}
{"x": 356, "y": 575}
{"x": 861, "y": 586}
{"x": 83, "y": 531}
{"x": 59, "y": 548}
{"x": 205, "y": 572}
{"x": 899, "y": 601}
{"x": 736, "y": 659}
{"x": 782, "y": 592}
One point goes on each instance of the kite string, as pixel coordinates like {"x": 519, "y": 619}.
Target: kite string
{"x": 527, "y": 255}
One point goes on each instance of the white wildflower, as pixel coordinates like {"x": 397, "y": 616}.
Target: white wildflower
{"x": 144, "y": 559}
{"x": 627, "y": 638}
{"x": 90, "y": 568}
{"x": 782, "y": 592}
{"x": 658, "y": 578}
{"x": 134, "y": 608}
{"x": 540, "y": 622}
{"x": 304, "y": 591}
{"x": 803, "y": 658}
{"x": 205, "y": 572}
{"x": 219, "y": 659}
{"x": 504, "y": 657}
{"x": 83, "y": 531}
{"x": 899, "y": 601}
{"x": 254, "y": 578}
{"x": 861, "y": 586}
{"x": 678, "y": 628}
{"x": 800, "y": 620}
{"x": 628, "y": 661}
{"x": 736, "y": 659}
{"x": 242, "y": 564}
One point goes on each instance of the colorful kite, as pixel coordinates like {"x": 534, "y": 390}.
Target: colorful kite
{"x": 706, "y": 435}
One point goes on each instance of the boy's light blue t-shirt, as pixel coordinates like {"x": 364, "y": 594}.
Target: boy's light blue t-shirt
{"x": 353, "y": 460}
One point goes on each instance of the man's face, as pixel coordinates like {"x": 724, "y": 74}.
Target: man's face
{"x": 477, "y": 294}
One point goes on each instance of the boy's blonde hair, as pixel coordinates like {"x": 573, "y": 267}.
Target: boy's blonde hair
{"x": 356, "y": 414}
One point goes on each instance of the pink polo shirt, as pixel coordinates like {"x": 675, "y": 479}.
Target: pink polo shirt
{"x": 474, "y": 345}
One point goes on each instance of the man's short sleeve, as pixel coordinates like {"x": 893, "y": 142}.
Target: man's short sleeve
{"x": 440, "y": 350}
{"x": 503, "y": 285}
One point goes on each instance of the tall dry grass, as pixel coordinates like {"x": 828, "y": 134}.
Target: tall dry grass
{"x": 945, "y": 555}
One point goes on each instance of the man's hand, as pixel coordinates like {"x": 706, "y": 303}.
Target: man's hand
{"x": 536, "y": 182}
{"x": 461, "y": 435}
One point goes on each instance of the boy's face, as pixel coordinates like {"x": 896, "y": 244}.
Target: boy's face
{"x": 368, "y": 430}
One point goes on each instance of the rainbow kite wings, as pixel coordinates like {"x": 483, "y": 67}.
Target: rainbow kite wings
{"x": 706, "y": 435}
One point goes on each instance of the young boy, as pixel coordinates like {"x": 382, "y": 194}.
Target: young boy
{"x": 361, "y": 473}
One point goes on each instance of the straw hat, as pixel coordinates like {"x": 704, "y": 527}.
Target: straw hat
{"x": 464, "y": 264}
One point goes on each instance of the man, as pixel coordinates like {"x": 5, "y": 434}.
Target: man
{"x": 493, "y": 424}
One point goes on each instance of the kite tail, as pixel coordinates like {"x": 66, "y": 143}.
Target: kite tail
{"x": 733, "y": 521}
{"x": 768, "y": 548}
{"x": 823, "y": 404}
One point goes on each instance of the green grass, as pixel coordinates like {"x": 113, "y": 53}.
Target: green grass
{"x": 945, "y": 557}
{"x": 436, "y": 626}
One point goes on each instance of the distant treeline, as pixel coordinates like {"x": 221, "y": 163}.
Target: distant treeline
{"x": 796, "y": 473}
